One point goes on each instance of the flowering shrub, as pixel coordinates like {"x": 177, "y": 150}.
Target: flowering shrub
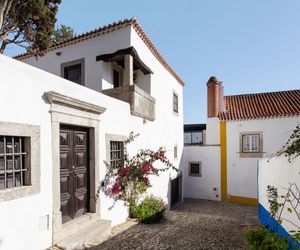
{"x": 130, "y": 178}
{"x": 151, "y": 210}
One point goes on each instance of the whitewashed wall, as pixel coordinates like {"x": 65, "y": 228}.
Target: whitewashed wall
{"x": 202, "y": 187}
{"x": 213, "y": 131}
{"x": 162, "y": 86}
{"x": 21, "y": 91}
{"x": 278, "y": 172}
{"x": 242, "y": 172}
{"x": 97, "y": 74}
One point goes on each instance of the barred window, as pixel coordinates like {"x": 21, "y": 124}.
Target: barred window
{"x": 73, "y": 71}
{"x": 195, "y": 169}
{"x": 116, "y": 153}
{"x": 12, "y": 162}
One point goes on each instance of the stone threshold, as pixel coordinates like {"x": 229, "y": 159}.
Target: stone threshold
{"x": 80, "y": 232}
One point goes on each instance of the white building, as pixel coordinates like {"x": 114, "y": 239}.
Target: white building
{"x": 55, "y": 135}
{"x": 240, "y": 130}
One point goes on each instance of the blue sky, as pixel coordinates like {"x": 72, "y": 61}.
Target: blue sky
{"x": 251, "y": 46}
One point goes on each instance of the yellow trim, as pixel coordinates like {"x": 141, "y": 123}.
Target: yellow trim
{"x": 223, "y": 143}
{"x": 243, "y": 200}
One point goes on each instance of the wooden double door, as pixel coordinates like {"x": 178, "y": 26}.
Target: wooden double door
{"x": 74, "y": 171}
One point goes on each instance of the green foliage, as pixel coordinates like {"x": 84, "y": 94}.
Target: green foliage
{"x": 289, "y": 202}
{"x": 151, "y": 210}
{"x": 261, "y": 239}
{"x": 28, "y": 23}
{"x": 292, "y": 147}
{"x": 62, "y": 33}
{"x": 130, "y": 178}
{"x": 272, "y": 194}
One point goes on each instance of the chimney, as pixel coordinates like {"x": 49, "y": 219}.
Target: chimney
{"x": 215, "y": 98}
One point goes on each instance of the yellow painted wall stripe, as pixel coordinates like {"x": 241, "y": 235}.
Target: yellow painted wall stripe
{"x": 243, "y": 200}
{"x": 223, "y": 142}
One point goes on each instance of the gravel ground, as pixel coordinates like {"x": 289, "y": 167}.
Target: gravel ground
{"x": 196, "y": 224}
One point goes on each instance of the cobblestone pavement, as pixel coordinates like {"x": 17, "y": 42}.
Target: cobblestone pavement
{"x": 196, "y": 224}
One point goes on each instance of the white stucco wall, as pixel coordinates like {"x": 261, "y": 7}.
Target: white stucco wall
{"x": 278, "y": 172}
{"x": 242, "y": 172}
{"x": 213, "y": 131}
{"x": 202, "y": 187}
{"x": 97, "y": 74}
{"x": 21, "y": 90}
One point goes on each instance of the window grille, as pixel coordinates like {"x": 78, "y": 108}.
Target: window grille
{"x": 12, "y": 162}
{"x": 193, "y": 137}
{"x": 116, "y": 153}
{"x": 195, "y": 169}
{"x": 73, "y": 73}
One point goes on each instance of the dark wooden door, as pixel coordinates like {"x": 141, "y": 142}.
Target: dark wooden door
{"x": 74, "y": 171}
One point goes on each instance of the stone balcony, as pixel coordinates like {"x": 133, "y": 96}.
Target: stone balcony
{"x": 141, "y": 103}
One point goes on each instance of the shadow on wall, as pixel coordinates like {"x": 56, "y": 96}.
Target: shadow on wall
{"x": 175, "y": 192}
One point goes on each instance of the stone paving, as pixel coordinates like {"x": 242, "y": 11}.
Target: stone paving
{"x": 196, "y": 224}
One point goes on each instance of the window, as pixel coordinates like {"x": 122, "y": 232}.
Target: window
{"x": 19, "y": 160}
{"x": 117, "y": 75}
{"x": 116, "y": 153}
{"x": 175, "y": 152}
{"x": 175, "y": 103}
{"x": 195, "y": 169}
{"x": 193, "y": 137}
{"x": 12, "y": 162}
{"x": 74, "y": 71}
{"x": 251, "y": 144}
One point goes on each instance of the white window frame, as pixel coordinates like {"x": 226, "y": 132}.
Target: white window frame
{"x": 251, "y": 151}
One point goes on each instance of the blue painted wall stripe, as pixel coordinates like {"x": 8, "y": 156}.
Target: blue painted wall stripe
{"x": 273, "y": 225}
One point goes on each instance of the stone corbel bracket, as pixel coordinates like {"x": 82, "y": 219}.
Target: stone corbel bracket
{"x": 56, "y": 98}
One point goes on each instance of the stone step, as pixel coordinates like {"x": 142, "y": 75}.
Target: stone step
{"x": 71, "y": 227}
{"x": 87, "y": 236}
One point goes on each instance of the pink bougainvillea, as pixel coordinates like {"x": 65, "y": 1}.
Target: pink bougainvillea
{"x": 131, "y": 178}
{"x": 124, "y": 171}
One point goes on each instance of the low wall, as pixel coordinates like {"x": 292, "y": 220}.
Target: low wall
{"x": 278, "y": 172}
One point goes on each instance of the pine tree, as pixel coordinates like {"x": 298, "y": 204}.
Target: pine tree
{"x": 62, "y": 33}
{"x": 28, "y": 23}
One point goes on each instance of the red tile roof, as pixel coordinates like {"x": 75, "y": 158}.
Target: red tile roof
{"x": 261, "y": 105}
{"x": 109, "y": 28}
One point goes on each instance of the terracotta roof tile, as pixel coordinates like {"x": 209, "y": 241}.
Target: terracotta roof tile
{"x": 107, "y": 29}
{"x": 261, "y": 105}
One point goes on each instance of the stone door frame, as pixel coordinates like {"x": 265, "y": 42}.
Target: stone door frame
{"x": 71, "y": 111}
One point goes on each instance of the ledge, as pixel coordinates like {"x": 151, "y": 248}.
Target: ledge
{"x": 54, "y": 97}
{"x": 141, "y": 103}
